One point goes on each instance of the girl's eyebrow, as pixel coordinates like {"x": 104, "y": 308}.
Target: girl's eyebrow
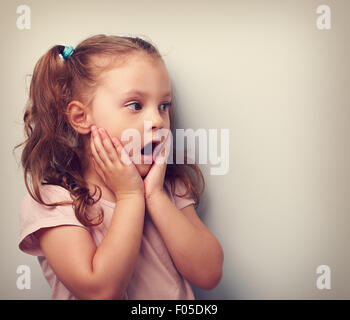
{"x": 142, "y": 93}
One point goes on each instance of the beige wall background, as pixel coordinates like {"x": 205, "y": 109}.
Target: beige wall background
{"x": 260, "y": 68}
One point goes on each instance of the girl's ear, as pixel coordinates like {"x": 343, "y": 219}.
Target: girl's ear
{"x": 79, "y": 117}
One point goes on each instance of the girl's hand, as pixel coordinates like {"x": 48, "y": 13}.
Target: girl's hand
{"x": 154, "y": 180}
{"x": 122, "y": 179}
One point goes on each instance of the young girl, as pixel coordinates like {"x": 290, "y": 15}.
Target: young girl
{"x": 141, "y": 237}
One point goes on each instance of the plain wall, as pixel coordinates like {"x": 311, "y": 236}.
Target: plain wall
{"x": 259, "y": 68}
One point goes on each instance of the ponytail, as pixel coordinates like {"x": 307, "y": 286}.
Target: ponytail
{"x": 52, "y": 152}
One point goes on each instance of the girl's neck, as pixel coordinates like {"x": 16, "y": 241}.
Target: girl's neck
{"x": 92, "y": 178}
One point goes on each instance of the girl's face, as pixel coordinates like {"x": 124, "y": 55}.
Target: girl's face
{"x": 137, "y": 91}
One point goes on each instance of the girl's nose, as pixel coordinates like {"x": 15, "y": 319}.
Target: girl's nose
{"x": 157, "y": 119}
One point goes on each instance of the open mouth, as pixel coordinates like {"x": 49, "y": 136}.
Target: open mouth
{"x": 147, "y": 150}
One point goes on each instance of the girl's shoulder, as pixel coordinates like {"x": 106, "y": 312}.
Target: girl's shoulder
{"x": 176, "y": 186}
{"x": 35, "y": 216}
{"x": 177, "y": 193}
{"x": 31, "y": 208}
{"x": 49, "y": 193}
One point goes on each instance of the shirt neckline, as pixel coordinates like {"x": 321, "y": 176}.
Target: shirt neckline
{"x": 108, "y": 203}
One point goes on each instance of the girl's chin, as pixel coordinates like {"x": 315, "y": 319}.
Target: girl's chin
{"x": 143, "y": 169}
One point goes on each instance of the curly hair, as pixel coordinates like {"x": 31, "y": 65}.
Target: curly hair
{"x": 53, "y": 151}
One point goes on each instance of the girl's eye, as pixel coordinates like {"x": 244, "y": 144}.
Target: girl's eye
{"x": 134, "y": 106}
{"x": 164, "y": 106}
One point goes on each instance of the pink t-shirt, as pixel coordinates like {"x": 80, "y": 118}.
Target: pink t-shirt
{"x": 155, "y": 275}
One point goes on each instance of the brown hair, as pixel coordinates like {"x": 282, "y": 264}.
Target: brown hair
{"x": 53, "y": 150}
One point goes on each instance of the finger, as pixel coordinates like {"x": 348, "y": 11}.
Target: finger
{"x": 94, "y": 152}
{"x": 98, "y": 170}
{"x": 163, "y": 150}
{"x": 120, "y": 148}
{"x": 97, "y": 140}
{"x": 108, "y": 145}
{"x": 160, "y": 159}
{"x": 121, "y": 152}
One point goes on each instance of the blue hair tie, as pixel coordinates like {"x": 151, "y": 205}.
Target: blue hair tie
{"x": 67, "y": 52}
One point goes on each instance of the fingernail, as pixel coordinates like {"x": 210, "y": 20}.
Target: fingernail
{"x": 100, "y": 130}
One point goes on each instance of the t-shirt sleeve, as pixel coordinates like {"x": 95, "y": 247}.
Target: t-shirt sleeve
{"x": 34, "y": 216}
{"x": 181, "y": 202}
